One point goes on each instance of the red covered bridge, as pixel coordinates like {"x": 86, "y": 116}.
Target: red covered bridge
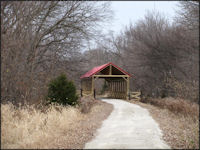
{"x": 117, "y": 80}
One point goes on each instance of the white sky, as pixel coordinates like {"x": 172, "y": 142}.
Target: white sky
{"x": 131, "y": 11}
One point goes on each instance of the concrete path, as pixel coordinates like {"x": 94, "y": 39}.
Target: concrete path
{"x": 129, "y": 126}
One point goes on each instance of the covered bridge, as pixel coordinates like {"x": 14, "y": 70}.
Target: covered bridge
{"x": 117, "y": 80}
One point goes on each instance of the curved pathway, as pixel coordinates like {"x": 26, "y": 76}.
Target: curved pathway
{"x": 128, "y": 126}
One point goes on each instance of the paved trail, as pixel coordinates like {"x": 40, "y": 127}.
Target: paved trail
{"x": 128, "y": 126}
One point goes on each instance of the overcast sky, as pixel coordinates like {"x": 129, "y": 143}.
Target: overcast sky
{"x": 131, "y": 11}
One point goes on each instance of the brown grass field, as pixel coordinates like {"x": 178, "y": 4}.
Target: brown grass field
{"x": 71, "y": 127}
{"x": 57, "y": 127}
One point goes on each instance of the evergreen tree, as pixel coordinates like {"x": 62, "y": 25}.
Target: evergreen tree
{"x": 62, "y": 91}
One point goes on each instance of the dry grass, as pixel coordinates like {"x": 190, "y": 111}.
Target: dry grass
{"x": 86, "y": 103}
{"x": 30, "y": 128}
{"x": 57, "y": 127}
{"x": 87, "y": 127}
{"x": 180, "y": 131}
{"x": 177, "y": 105}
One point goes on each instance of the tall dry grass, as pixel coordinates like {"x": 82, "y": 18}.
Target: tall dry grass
{"x": 31, "y": 128}
{"x": 177, "y": 105}
{"x": 86, "y": 103}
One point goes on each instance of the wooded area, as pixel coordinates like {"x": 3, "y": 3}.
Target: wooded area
{"x": 39, "y": 40}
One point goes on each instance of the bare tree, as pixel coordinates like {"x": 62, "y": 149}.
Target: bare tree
{"x": 39, "y": 39}
{"x": 188, "y": 15}
{"x": 153, "y": 50}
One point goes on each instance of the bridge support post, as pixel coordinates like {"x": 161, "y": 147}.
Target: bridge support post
{"x": 128, "y": 85}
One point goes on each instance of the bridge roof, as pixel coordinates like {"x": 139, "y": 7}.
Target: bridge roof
{"x": 97, "y": 69}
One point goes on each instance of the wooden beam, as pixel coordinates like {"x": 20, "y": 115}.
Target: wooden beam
{"x": 92, "y": 90}
{"x": 121, "y": 76}
{"x": 124, "y": 78}
{"x": 96, "y": 78}
{"x": 127, "y": 94}
{"x": 110, "y": 70}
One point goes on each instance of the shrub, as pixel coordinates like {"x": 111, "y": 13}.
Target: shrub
{"x": 183, "y": 89}
{"x": 62, "y": 91}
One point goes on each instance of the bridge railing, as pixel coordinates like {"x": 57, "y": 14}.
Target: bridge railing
{"x": 135, "y": 95}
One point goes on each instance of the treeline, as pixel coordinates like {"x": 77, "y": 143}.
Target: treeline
{"x": 163, "y": 57}
{"x": 42, "y": 39}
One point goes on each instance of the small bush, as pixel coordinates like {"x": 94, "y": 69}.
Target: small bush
{"x": 62, "y": 91}
{"x": 183, "y": 89}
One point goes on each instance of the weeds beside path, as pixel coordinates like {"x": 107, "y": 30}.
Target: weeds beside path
{"x": 59, "y": 127}
{"x": 179, "y": 131}
{"x": 84, "y": 130}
